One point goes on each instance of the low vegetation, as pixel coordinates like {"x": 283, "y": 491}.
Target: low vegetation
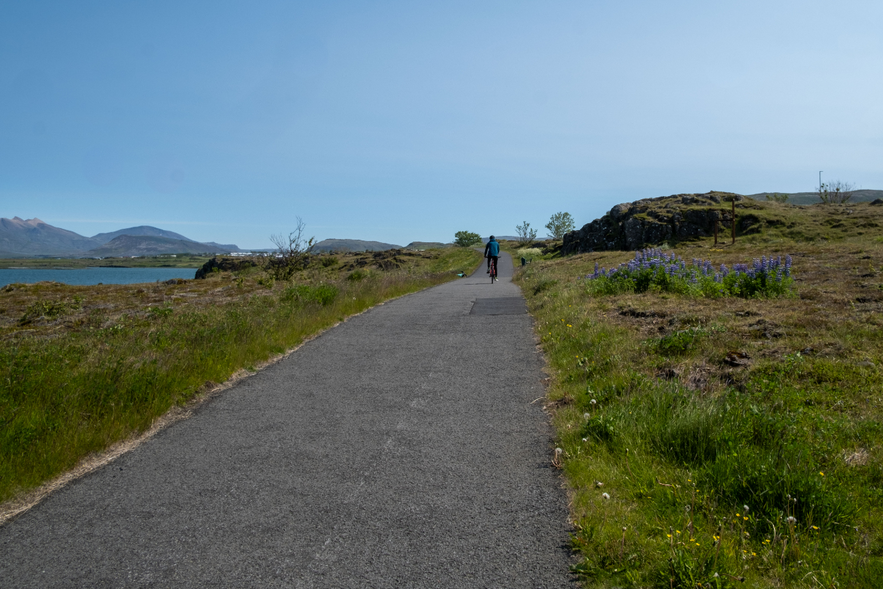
{"x": 715, "y": 435}
{"x": 84, "y": 366}
{"x": 162, "y": 261}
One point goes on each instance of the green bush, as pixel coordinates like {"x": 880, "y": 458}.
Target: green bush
{"x": 655, "y": 271}
{"x": 466, "y": 238}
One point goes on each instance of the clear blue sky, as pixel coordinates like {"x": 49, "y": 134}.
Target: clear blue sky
{"x": 404, "y": 121}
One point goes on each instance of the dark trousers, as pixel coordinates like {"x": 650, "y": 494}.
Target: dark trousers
{"x": 495, "y": 259}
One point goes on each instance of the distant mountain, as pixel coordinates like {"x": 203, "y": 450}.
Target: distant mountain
{"x": 143, "y": 230}
{"x": 220, "y": 247}
{"x": 352, "y": 245}
{"x": 811, "y": 198}
{"x": 151, "y": 245}
{"x": 21, "y": 238}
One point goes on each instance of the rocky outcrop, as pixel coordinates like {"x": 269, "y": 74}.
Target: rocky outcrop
{"x": 652, "y": 221}
{"x": 217, "y": 264}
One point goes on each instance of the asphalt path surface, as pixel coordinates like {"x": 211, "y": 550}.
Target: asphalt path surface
{"x": 406, "y": 447}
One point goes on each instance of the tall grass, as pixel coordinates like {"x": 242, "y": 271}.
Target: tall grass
{"x": 704, "y": 447}
{"x": 63, "y": 397}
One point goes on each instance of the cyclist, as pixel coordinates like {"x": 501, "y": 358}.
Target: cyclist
{"x": 492, "y": 252}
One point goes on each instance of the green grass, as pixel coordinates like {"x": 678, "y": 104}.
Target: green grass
{"x": 84, "y": 367}
{"x": 709, "y": 422}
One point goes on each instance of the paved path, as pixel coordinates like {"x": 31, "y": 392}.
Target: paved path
{"x": 392, "y": 451}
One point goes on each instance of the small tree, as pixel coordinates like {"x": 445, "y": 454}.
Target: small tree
{"x": 292, "y": 253}
{"x": 836, "y": 192}
{"x": 559, "y": 224}
{"x": 466, "y": 238}
{"x": 777, "y": 197}
{"x": 525, "y": 233}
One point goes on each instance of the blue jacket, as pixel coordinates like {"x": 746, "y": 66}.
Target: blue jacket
{"x": 492, "y": 249}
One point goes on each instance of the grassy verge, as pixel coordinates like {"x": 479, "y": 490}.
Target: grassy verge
{"x": 720, "y": 441}
{"x": 83, "y": 367}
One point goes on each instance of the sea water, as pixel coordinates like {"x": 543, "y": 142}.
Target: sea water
{"x": 86, "y": 276}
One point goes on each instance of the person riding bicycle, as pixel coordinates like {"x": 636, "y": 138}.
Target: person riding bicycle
{"x": 492, "y": 252}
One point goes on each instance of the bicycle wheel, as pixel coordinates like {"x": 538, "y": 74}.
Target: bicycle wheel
{"x": 493, "y": 271}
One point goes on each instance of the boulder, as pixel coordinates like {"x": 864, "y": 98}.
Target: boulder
{"x": 652, "y": 221}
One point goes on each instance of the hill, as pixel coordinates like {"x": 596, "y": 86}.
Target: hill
{"x": 811, "y": 198}
{"x": 685, "y": 217}
{"x": 33, "y": 237}
{"x": 352, "y": 245}
{"x": 20, "y": 238}
{"x": 140, "y": 231}
{"x": 148, "y": 245}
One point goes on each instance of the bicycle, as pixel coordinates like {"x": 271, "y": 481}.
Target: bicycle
{"x": 493, "y": 271}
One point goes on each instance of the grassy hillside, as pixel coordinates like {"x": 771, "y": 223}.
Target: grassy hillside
{"x": 715, "y": 440}
{"x": 151, "y": 245}
{"x": 811, "y": 198}
{"x": 82, "y": 367}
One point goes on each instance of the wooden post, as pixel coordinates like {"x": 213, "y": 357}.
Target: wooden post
{"x": 734, "y": 219}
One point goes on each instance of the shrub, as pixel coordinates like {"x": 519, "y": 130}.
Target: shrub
{"x": 654, "y": 270}
{"x": 777, "y": 197}
{"x": 525, "y": 233}
{"x": 292, "y": 253}
{"x": 529, "y": 253}
{"x": 49, "y": 309}
{"x": 466, "y": 238}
